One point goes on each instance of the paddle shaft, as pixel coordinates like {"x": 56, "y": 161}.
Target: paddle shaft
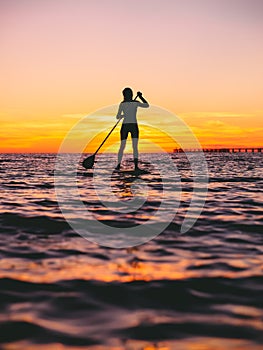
{"x": 110, "y": 133}
{"x": 107, "y": 137}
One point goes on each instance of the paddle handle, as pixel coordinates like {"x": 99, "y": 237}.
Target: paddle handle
{"x": 110, "y": 132}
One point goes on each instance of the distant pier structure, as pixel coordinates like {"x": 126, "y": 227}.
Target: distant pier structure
{"x": 222, "y": 150}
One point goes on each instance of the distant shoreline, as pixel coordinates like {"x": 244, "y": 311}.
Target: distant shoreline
{"x": 176, "y": 150}
{"x": 222, "y": 150}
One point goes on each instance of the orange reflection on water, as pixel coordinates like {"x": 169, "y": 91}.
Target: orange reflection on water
{"x": 121, "y": 270}
{"x": 197, "y": 343}
{"x": 78, "y": 268}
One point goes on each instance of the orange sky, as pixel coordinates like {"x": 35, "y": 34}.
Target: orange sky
{"x": 61, "y": 60}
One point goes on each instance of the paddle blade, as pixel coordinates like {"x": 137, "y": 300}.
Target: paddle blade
{"x": 89, "y": 162}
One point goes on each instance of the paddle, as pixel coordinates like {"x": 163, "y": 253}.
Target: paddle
{"x": 89, "y": 162}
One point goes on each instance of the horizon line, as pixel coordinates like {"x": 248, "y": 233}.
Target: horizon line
{"x": 172, "y": 151}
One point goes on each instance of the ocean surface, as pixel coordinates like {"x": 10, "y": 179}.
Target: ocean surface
{"x": 199, "y": 290}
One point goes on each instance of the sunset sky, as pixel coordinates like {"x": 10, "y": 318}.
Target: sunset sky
{"x": 64, "y": 59}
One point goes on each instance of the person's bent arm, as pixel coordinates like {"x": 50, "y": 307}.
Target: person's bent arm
{"x": 144, "y": 103}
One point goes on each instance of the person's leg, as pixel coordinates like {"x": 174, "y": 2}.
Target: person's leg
{"x": 135, "y": 139}
{"x": 120, "y": 153}
{"x": 124, "y": 135}
{"x": 135, "y": 152}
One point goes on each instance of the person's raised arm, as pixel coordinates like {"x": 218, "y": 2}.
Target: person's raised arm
{"x": 144, "y": 103}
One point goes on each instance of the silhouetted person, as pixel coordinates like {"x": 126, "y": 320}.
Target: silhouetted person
{"x": 127, "y": 111}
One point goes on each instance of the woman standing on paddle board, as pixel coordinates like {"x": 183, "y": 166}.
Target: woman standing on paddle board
{"x": 127, "y": 111}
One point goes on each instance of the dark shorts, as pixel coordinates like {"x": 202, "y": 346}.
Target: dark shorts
{"x": 132, "y": 128}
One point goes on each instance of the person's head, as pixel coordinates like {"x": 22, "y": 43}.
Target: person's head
{"x": 127, "y": 94}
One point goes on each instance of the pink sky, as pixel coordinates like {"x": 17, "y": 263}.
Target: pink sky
{"x": 198, "y": 58}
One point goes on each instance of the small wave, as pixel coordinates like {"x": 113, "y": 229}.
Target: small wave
{"x": 46, "y": 203}
{"x": 235, "y": 179}
{"x": 35, "y": 224}
{"x": 12, "y": 331}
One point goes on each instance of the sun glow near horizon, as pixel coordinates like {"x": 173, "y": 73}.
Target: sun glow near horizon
{"x": 211, "y": 130}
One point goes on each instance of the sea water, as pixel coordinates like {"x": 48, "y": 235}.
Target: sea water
{"x": 198, "y": 290}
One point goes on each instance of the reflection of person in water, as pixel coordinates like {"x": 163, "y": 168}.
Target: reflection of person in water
{"x": 127, "y": 111}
